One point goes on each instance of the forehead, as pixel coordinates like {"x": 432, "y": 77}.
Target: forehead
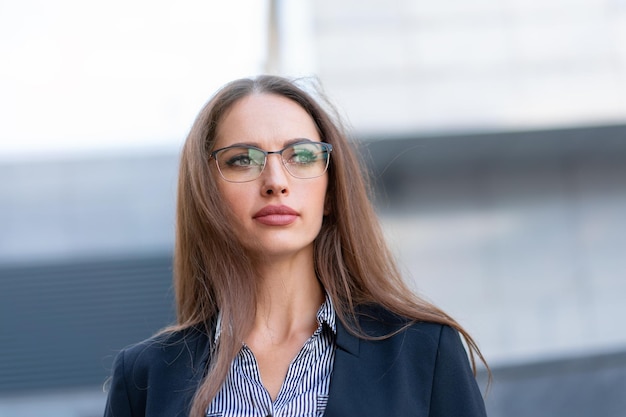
{"x": 265, "y": 120}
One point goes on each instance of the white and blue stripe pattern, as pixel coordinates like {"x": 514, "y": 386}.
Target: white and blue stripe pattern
{"x": 304, "y": 392}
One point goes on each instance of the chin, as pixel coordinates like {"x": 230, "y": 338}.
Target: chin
{"x": 275, "y": 249}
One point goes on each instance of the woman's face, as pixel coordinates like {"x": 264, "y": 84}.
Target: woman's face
{"x": 279, "y": 212}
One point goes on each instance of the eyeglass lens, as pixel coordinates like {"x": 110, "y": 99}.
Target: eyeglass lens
{"x": 245, "y": 163}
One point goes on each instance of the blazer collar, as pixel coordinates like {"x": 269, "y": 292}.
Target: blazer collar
{"x": 204, "y": 347}
{"x": 344, "y": 389}
{"x": 346, "y": 341}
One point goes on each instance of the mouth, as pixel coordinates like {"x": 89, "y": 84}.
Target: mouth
{"x": 276, "y": 215}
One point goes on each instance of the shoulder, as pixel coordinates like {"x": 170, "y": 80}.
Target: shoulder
{"x": 436, "y": 354}
{"x": 380, "y": 333}
{"x": 425, "y": 344}
{"x": 422, "y": 363}
{"x": 167, "y": 347}
{"x": 171, "y": 354}
{"x": 168, "y": 365}
{"x": 378, "y": 322}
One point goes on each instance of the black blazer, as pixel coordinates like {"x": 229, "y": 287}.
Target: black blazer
{"x": 422, "y": 370}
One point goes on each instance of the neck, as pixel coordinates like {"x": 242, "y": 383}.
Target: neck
{"x": 290, "y": 296}
{"x": 289, "y": 299}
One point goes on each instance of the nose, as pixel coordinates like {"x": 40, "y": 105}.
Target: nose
{"x": 274, "y": 176}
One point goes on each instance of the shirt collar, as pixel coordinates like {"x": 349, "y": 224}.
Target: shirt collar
{"x": 326, "y": 314}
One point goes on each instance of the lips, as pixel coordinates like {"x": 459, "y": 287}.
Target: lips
{"x": 276, "y": 215}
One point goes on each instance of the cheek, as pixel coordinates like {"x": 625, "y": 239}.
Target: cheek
{"x": 322, "y": 198}
{"x": 232, "y": 195}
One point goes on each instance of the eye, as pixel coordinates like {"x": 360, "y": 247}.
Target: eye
{"x": 239, "y": 161}
{"x": 302, "y": 154}
{"x": 242, "y": 158}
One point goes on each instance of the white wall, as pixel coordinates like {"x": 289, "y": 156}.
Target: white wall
{"x": 418, "y": 65}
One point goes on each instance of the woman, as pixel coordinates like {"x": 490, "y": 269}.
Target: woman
{"x": 288, "y": 300}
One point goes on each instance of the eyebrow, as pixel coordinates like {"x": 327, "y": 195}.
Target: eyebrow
{"x": 285, "y": 144}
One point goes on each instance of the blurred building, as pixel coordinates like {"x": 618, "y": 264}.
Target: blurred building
{"x": 495, "y": 135}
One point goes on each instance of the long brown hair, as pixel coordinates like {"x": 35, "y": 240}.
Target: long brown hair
{"x": 214, "y": 273}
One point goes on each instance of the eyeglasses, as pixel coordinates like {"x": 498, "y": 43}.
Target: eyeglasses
{"x": 241, "y": 163}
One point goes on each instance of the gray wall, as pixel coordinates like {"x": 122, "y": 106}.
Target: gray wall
{"x": 90, "y": 207}
{"x": 519, "y": 235}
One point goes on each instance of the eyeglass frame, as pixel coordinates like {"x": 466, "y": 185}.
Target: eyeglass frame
{"x": 327, "y": 146}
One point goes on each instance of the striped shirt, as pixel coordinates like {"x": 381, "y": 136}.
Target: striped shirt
{"x": 304, "y": 392}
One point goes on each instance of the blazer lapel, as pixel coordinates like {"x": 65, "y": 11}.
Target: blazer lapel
{"x": 369, "y": 377}
{"x": 344, "y": 389}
